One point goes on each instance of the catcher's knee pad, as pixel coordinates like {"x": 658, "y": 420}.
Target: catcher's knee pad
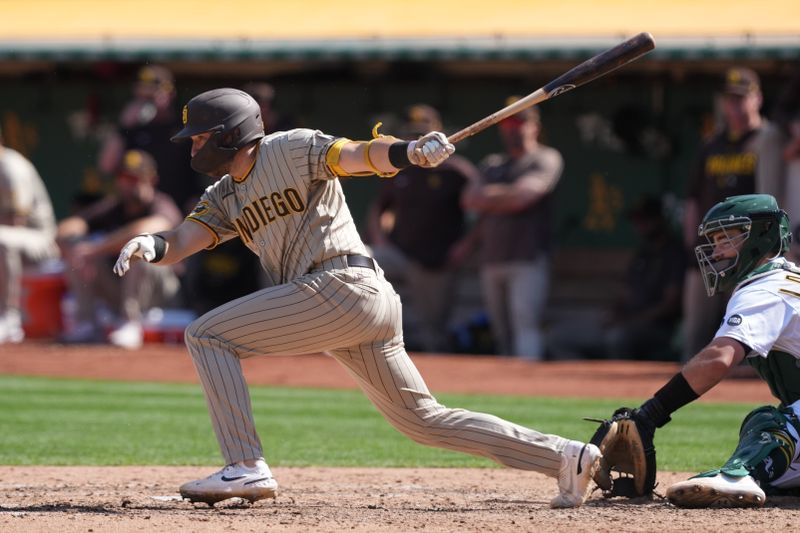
{"x": 766, "y": 447}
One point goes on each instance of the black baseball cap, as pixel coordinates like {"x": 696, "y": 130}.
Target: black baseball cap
{"x": 139, "y": 165}
{"x": 420, "y": 119}
{"x": 741, "y": 81}
{"x": 156, "y": 77}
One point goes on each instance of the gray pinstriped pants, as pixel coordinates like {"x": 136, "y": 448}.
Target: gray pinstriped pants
{"x": 354, "y": 315}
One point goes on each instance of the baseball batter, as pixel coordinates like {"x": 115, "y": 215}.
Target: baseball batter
{"x": 280, "y": 195}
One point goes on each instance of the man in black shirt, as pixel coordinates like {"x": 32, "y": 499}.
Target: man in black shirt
{"x": 514, "y": 202}
{"x": 90, "y": 240}
{"x": 417, "y": 227}
{"x": 146, "y": 123}
{"x": 727, "y": 166}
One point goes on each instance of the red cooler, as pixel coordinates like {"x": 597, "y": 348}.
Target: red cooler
{"x": 42, "y": 290}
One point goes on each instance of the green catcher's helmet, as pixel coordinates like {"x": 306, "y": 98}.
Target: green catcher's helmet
{"x": 763, "y": 232}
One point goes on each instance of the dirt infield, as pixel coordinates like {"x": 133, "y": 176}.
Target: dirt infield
{"x": 333, "y": 499}
{"x": 138, "y": 499}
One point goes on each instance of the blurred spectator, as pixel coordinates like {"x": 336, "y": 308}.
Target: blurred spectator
{"x": 791, "y": 195}
{"x": 728, "y": 165}
{"x": 91, "y": 240}
{"x": 514, "y": 200}
{"x": 27, "y": 234}
{"x": 787, "y": 118}
{"x": 264, "y": 94}
{"x": 416, "y": 228}
{"x": 147, "y": 122}
{"x": 644, "y": 318}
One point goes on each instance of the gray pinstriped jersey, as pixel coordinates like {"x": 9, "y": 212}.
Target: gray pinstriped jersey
{"x": 289, "y": 210}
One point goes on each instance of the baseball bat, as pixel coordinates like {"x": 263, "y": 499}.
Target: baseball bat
{"x": 589, "y": 70}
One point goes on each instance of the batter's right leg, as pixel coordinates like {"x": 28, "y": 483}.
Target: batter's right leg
{"x": 246, "y": 475}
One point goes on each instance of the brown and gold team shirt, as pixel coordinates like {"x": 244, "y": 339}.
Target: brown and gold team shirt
{"x": 726, "y": 167}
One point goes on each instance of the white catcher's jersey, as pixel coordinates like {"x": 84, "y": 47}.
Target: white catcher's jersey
{"x": 289, "y": 210}
{"x": 764, "y": 314}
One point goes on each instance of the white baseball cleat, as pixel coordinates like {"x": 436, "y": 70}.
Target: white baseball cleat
{"x": 11, "y": 328}
{"x": 129, "y": 335}
{"x": 578, "y": 466}
{"x": 234, "y": 481}
{"x": 721, "y": 490}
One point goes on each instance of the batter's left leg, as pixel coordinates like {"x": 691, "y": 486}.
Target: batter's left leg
{"x": 391, "y": 381}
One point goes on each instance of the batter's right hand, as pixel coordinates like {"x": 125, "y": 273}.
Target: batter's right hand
{"x": 430, "y": 150}
{"x": 143, "y": 246}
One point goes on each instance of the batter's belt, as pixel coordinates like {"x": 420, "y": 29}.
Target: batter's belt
{"x": 344, "y": 261}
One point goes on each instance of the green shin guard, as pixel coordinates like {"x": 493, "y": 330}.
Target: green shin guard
{"x": 765, "y": 449}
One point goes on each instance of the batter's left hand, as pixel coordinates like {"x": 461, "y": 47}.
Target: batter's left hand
{"x": 142, "y": 246}
{"x": 430, "y": 150}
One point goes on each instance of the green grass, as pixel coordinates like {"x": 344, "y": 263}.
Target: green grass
{"x": 81, "y": 422}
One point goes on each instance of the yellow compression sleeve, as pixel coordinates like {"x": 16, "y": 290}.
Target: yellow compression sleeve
{"x": 375, "y": 153}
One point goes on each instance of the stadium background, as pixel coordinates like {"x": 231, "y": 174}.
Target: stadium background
{"x": 66, "y": 68}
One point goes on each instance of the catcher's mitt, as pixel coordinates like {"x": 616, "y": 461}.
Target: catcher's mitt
{"x": 629, "y": 456}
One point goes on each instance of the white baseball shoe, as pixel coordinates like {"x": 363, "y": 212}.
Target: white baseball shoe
{"x": 130, "y": 335}
{"x": 234, "y": 481}
{"x": 578, "y": 466}
{"x": 11, "y": 328}
{"x": 721, "y": 490}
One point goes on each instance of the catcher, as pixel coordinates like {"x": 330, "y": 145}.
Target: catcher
{"x": 747, "y": 237}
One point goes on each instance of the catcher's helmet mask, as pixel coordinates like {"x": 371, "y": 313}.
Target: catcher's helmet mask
{"x": 763, "y": 234}
{"x": 232, "y": 117}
